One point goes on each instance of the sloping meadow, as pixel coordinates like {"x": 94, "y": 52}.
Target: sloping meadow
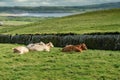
{"x": 102, "y": 41}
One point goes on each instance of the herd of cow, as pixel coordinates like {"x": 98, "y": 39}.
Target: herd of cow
{"x": 46, "y": 47}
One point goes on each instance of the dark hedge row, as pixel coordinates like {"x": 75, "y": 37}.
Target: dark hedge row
{"x": 96, "y": 41}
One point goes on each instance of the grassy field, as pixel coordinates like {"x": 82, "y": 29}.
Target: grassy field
{"x": 14, "y": 21}
{"x": 11, "y": 23}
{"x": 98, "y": 21}
{"x": 57, "y": 65}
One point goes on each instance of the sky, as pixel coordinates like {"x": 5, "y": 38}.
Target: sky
{"x": 52, "y": 2}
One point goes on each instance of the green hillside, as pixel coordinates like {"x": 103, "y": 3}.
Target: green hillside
{"x": 98, "y": 21}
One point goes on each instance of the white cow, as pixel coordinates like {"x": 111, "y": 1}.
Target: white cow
{"x": 40, "y": 46}
{"x": 33, "y": 44}
{"x": 20, "y": 49}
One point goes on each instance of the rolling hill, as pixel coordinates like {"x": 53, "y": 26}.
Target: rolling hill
{"x": 97, "y": 21}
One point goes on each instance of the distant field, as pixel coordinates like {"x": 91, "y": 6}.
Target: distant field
{"x": 15, "y": 23}
{"x": 98, "y": 21}
{"x": 21, "y": 18}
{"x": 56, "y": 65}
{"x": 10, "y": 23}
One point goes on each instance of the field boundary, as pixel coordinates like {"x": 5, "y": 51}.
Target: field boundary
{"x": 93, "y": 41}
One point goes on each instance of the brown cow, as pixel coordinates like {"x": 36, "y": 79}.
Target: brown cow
{"x": 82, "y": 46}
{"x": 76, "y": 48}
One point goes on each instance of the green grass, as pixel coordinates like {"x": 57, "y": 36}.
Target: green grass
{"x": 98, "y": 21}
{"x": 10, "y": 22}
{"x": 15, "y": 23}
{"x": 57, "y": 65}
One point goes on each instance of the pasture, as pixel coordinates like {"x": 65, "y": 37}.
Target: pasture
{"x": 98, "y": 21}
{"x": 57, "y": 65}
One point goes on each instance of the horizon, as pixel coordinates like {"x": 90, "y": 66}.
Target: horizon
{"x": 61, "y": 5}
{"x": 49, "y": 3}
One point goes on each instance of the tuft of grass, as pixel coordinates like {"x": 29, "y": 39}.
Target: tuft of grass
{"x": 57, "y": 65}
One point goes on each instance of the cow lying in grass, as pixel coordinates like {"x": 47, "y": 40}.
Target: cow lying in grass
{"x": 76, "y": 48}
{"x": 33, "y": 47}
{"x": 20, "y": 49}
{"x": 40, "y": 46}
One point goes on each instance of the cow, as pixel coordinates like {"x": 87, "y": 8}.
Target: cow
{"x": 33, "y": 44}
{"x": 76, "y": 48}
{"x": 82, "y": 46}
{"x": 20, "y": 49}
{"x": 40, "y": 46}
